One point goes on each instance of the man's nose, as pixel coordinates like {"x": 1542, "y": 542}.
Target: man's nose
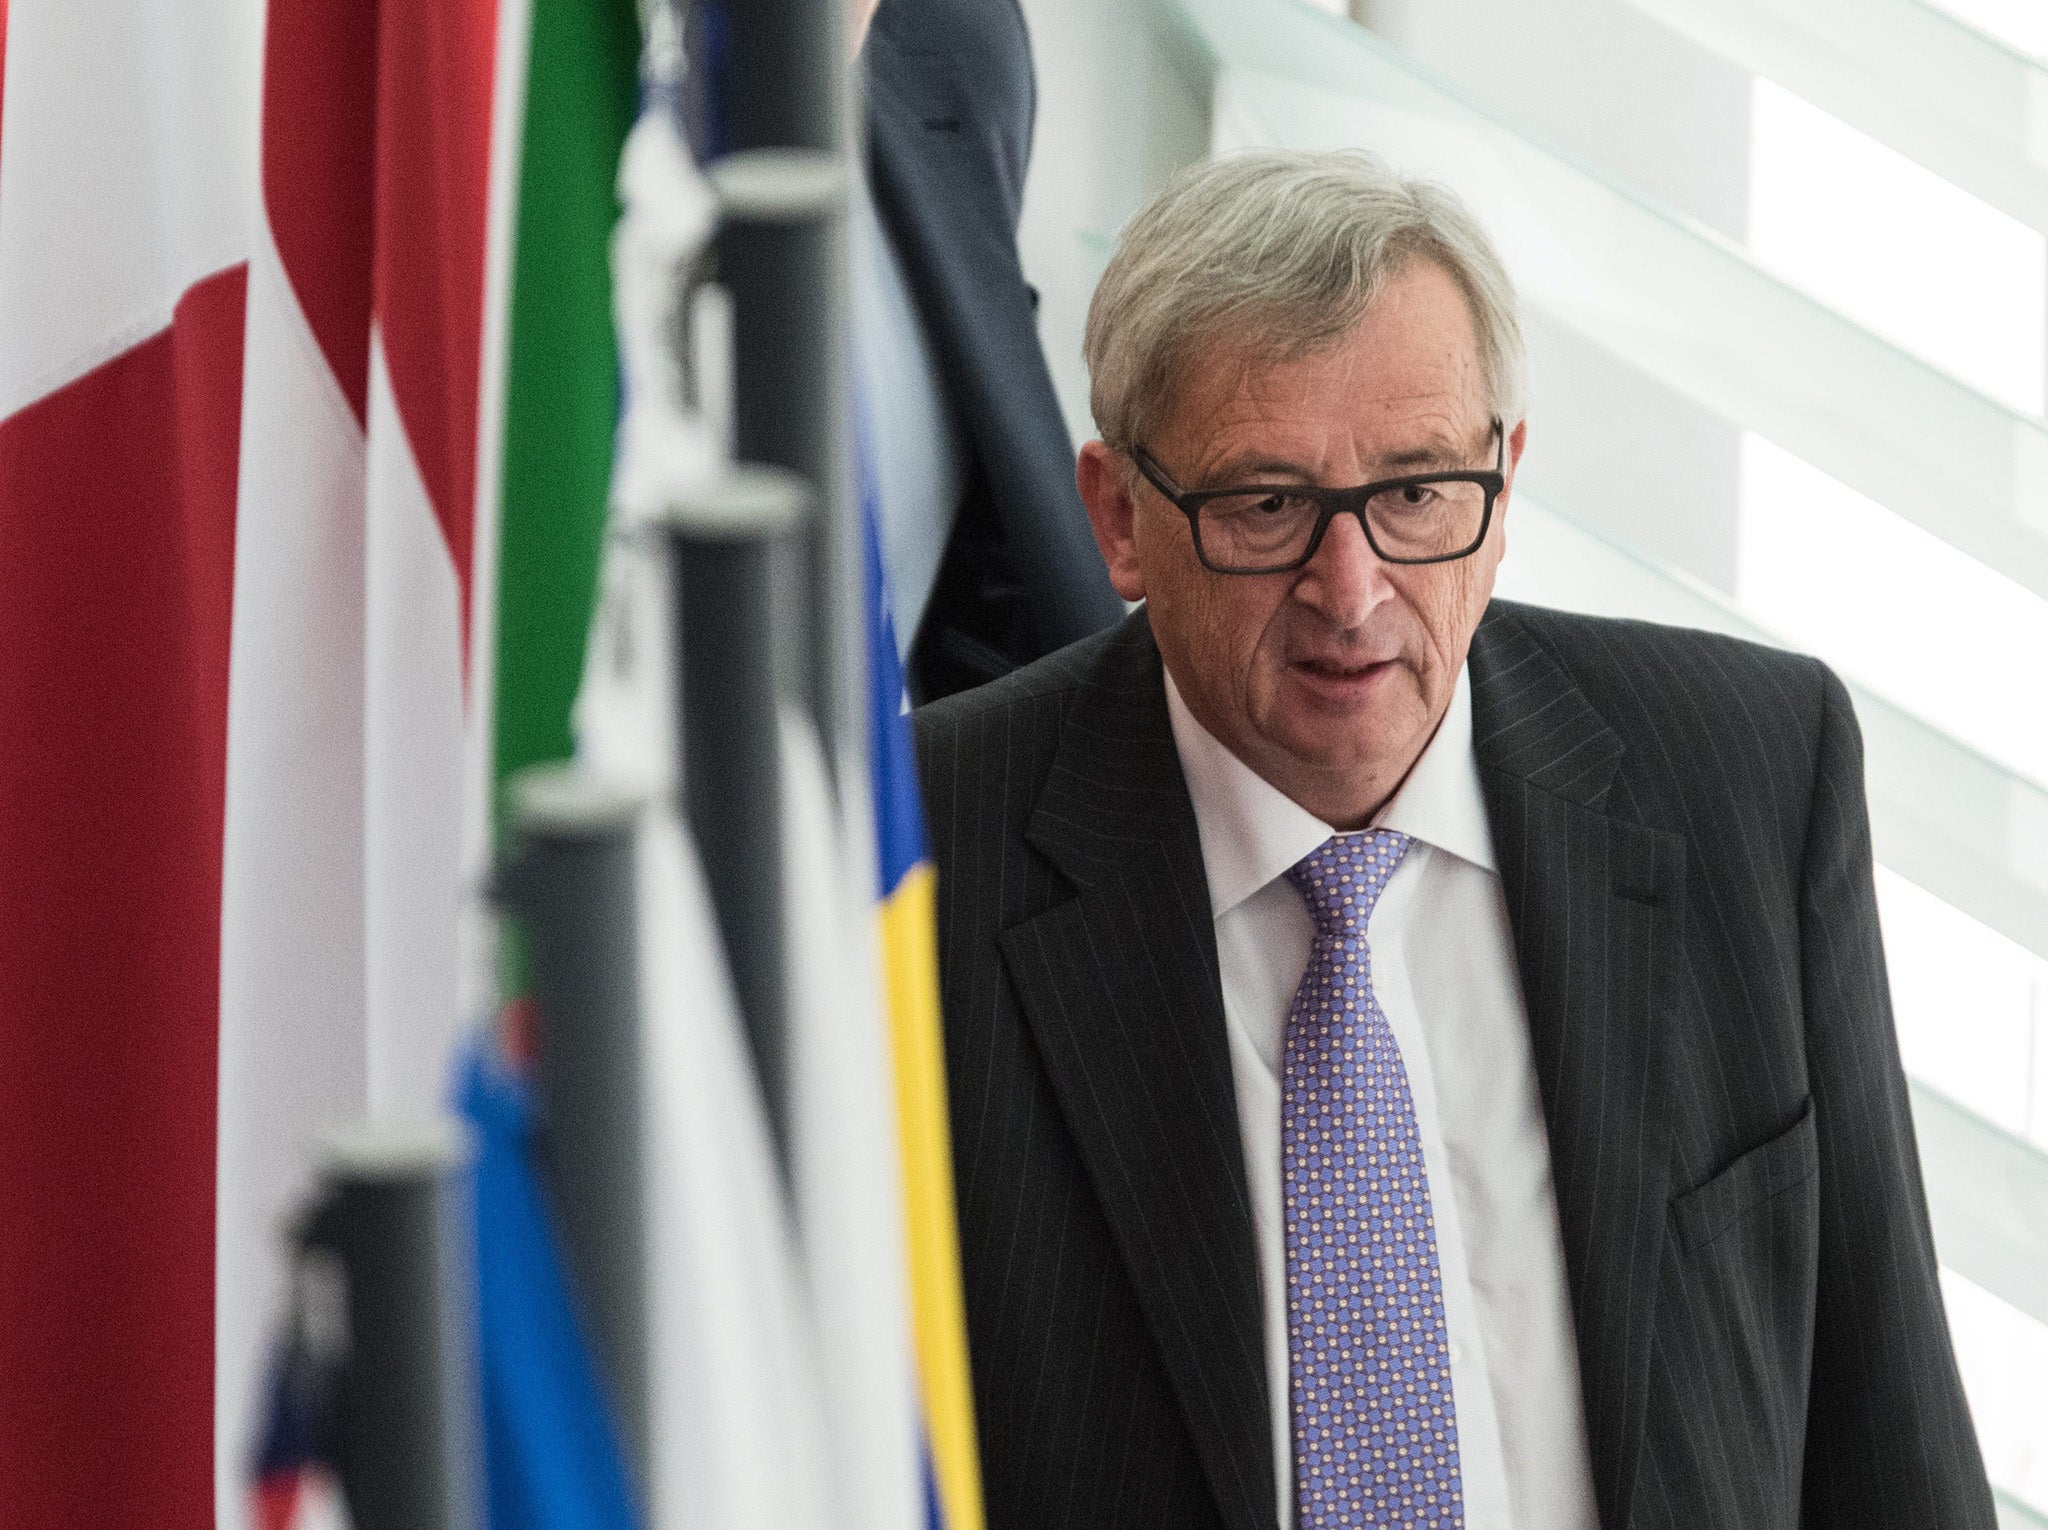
{"x": 1346, "y": 579}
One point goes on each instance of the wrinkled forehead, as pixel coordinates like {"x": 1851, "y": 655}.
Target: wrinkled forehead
{"x": 1411, "y": 356}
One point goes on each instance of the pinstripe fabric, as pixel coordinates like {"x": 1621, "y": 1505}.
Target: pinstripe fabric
{"x": 1680, "y": 825}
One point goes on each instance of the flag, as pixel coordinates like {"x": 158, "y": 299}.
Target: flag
{"x": 736, "y": 1416}
{"x": 353, "y": 824}
{"x": 549, "y": 390}
{"x": 294, "y": 1487}
{"x": 542, "y": 411}
{"x": 549, "y": 437}
{"x": 127, "y": 182}
{"x": 735, "y": 1423}
{"x": 845, "y": 1173}
{"x": 307, "y": 397}
{"x": 735, "y": 1419}
{"x": 909, "y": 947}
{"x": 251, "y": 448}
{"x": 292, "y": 1479}
{"x": 426, "y": 437}
{"x": 551, "y": 1457}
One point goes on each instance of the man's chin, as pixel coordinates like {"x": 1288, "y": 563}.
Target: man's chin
{"x": 1340, "y": 724}
{"x": 1352, "y": 752}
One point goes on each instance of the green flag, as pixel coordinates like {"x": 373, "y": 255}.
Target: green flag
{"x": 562, "y": 383}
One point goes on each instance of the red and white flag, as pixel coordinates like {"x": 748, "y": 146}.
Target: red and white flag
{"x": 242, "y": 756}
{"x": 354, "y": 810}
{"x": 128, "y": 163}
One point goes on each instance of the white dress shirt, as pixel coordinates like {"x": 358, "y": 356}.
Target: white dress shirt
{"x": 1443, "y": 970}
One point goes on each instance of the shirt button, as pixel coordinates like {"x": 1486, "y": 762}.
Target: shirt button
{"x": 1457, "y": 1353}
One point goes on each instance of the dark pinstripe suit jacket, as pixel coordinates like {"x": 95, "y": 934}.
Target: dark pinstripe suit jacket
{"x": 1680, "y": 826}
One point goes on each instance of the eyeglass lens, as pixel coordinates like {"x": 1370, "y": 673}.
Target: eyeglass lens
{"x": 1270, "y": 528}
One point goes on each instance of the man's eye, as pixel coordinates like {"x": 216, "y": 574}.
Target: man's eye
{"x": 1281, "y": 504}
{"x": 1416, "y": 495}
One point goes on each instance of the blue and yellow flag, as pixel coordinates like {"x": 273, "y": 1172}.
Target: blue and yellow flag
{"x": 910, "y": 965}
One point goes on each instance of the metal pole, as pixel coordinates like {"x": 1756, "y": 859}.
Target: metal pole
{"x": 393, "y": 1215}
{"x": 788, "y": 71}
{"x": 782, "y": 256}
{"x": 573, "y": 883}
{"x": 723, "y": 539}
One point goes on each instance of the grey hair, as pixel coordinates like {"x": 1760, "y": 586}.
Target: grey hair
{"x": 1279, "y": 252}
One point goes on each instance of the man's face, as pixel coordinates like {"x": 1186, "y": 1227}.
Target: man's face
{"x": 1328, "y": 681}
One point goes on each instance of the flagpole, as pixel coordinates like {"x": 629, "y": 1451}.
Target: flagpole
{"x": 724, "y": 540}
{"x": 782, "y": 257}
{"x": 788, "y": 64}
{"x": 392, "y": 1214}
{"x": 573, "y": 883}
{"x": 790, "y": 125}
{"x": 783, "y": 188}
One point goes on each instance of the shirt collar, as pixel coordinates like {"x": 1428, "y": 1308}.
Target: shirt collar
{"x": 1252, "y": 832}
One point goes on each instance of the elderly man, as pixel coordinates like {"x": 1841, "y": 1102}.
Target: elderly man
{"x": 1415, "y": 1059}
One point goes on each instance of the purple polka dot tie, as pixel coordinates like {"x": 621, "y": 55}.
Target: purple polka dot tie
{"x": 1375, "y": 1432}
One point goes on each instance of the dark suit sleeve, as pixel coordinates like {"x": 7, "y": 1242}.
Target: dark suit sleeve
{"x": 1889, "y": 1441}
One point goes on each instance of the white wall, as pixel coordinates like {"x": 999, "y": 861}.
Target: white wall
{"x": 1624, "y": 95}
{"x": 1123, "y": 102}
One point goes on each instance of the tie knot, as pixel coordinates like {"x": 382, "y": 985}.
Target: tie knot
{"x": 1342, "y": 878}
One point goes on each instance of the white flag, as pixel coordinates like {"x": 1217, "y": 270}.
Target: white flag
{"x": 734, "y": 1419}
{"x": 843, "y": 1143}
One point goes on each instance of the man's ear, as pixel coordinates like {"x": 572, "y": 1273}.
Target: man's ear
{"x": 1517, "y": 439}
{"x": 1106, "y": 490}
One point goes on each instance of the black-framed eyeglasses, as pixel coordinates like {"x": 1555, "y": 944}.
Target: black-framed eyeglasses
{"x": 1276, "y": 528}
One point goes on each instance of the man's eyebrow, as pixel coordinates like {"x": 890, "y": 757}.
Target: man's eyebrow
{"x": 1429, "y": 455}
{"x": 1435, "y": 452}
{"x": 1251, "y": 467}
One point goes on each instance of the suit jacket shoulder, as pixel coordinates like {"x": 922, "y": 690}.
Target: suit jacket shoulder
{"x": 1721, "y": 737}
{"x": 1013, "y": 723}
{"x": 1057, "y": 675}
{"x": 984, "y": 759}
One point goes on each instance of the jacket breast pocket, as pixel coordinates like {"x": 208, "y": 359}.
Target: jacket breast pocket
{"x": 1750, "y": 1183}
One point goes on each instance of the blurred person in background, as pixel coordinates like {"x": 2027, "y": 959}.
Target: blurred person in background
{"x": 1415, "y": 1059}
{"x": 987, "y": 547}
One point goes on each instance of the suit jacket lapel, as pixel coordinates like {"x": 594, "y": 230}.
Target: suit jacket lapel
{"x": 1595, "y": 903}
{"x": 1120, "y": 987}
